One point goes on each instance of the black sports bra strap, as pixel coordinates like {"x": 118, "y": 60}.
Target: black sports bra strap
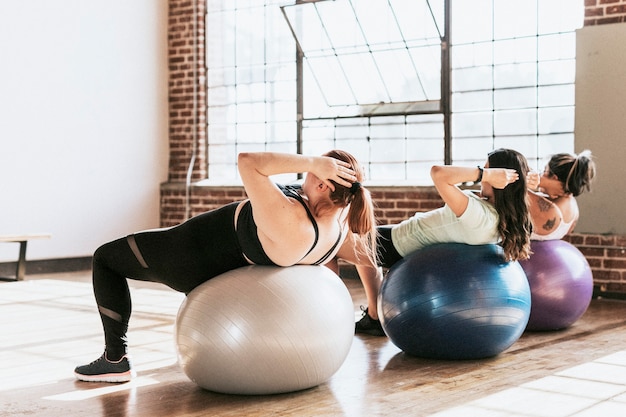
{"x": 327, "y": 255}
{"x": 295, "y": 194}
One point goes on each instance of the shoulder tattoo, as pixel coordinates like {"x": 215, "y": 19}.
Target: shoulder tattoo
{"x": 549, "y": 224}
{"x": 544, "y": 205}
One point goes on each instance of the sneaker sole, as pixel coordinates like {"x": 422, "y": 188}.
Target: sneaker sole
{"x": 370, "y": 333}
{"x": 123, "y": 377}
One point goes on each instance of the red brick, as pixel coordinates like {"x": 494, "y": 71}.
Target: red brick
{"x": 615, "y": 264}
{"x": 610, "y": 20}
{"x": 591, "y": 251}
{"x": 616, "y": 9}
{"x": 594, "y": 12}
{"x": 594, "y": 263}
{"x": 616, "y": 253}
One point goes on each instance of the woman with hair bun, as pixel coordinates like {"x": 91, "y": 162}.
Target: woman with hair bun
{"x": 552, "y": 194}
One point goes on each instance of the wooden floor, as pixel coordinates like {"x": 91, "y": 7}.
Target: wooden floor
{"x": 49, "y": 325}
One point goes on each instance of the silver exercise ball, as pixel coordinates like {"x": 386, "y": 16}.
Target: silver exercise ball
{"x": 265, "y": 329}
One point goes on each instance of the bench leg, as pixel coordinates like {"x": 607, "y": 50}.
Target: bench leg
{"x": 20, "y": 271}
{"x": 21, "y": 262}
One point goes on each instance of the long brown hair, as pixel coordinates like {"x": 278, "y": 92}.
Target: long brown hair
{"x": 511, "y": 203}
{"x": 361, "y": 218}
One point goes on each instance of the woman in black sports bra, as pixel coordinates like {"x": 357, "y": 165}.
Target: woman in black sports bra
{"x": 276, "y": 226}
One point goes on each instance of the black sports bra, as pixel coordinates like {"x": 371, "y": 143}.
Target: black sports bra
{"x": 249, "y": 239}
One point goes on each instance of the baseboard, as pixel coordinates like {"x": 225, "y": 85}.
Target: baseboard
{"x": 600, "y": 292}
{"x": 48, "y": 266}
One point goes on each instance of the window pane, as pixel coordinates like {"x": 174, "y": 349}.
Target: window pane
{"x": 427, "y": 61}
{"x": 471, "y": 151}
{"x": 250, "y": 46}
{"x": 378, "y": 22}
{"x": 340, "y": 23}
{"x": 472, "y": 78}
{"x": 560, "y": 46}
{"x": 401, "y": 84}
{"x": 471, "y": 20}
{"x": 331, "y": 80}
{"x": 514, "y": 18}
{"x": 471, "y": 55}
{"x": 514, "y": 75}
{"x": 556, "y": 95}
{"x": 515, "y": 122}
{"x": 472, "y": 101}
{"x": 515, "y": 50}
{"x": 251, "y": 76}
{"x": 515, "y": 98}
{"x": 559, "y": 16}
{"x": 556, "y": 120}
{"x": 557, "y": 72}
{"x": 472, "y": 124}
{"x": 364, "y": 79}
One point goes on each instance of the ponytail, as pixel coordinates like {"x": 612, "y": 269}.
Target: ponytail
{"x": 361, "y": 217}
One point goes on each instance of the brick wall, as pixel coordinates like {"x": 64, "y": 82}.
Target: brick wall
{"x": 600, "y": 12}
{"x": 187, "y": 89}
{"x": 606, "y": 253}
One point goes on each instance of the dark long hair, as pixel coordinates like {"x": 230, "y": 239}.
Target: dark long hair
{"x": 511, "y": 203}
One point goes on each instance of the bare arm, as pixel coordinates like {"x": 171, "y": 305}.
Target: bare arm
{"x": 256, "y": 167}
{"x": 446, "y": 178}
{"x": 276, "y": 215}
{"x": 353, "y": 251}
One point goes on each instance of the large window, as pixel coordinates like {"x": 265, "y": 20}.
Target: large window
{"x": 513, "y": 69}
{"x": 251, "y": 78}
{"x": 366, "y": 76}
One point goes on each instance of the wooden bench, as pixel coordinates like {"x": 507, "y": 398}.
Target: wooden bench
{"x": 21, "y": 261}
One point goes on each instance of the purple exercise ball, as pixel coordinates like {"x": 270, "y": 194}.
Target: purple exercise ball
{"x": 561, "y": 284}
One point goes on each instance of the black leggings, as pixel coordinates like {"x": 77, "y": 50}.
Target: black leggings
{"x": 387, "y": 253}
{"x": 182, "y": 258}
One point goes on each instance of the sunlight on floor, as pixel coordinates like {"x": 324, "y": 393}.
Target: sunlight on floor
{"x": 82, "y": 395}
{"x": 597, "y": 388}
{"x": 32, "y": 352}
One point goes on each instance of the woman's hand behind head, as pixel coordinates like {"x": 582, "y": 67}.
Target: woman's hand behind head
{"x": 500, "y": 177}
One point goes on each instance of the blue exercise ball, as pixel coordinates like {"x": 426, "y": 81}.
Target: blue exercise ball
{"x": 455, "y": 301}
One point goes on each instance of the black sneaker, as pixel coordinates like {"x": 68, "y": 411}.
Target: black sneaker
{"x": 103, "y": 370}
{"x": 368, "y": 325}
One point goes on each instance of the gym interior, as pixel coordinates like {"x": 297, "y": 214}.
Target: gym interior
{"x": 124, "y": 116}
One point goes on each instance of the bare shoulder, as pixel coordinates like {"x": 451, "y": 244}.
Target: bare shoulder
{"x": 568, "y": 207}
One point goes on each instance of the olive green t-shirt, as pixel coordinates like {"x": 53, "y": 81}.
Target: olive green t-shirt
{"x": 478, "y": 225}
